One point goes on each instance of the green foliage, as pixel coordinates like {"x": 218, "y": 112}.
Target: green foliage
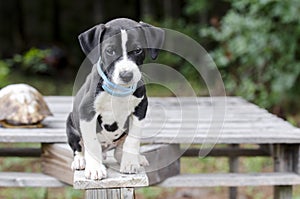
{"x": 4, "y": 70}
{"x": 175, "y": 61}
{"x": 257, "y": 49}
{"x": 196, "y": 6}
{"x": 33, "y": 60}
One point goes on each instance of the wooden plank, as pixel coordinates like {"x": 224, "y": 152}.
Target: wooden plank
{"x": 231, "y": 180}
{"x": 225, "y": 152}
{"x": 185, "y": 106}
{"x": 33, "y": 135}
{"x": 113, "y": 180}
{"x": 238, "y": 108}
{"x": 249, "y": 128}
{"x": 163, "y": 159}
{"x": 56, "y": 162}
{"x": 244, "y": 110}
{"x": 65, "y": 104}
{"x": 203, "y": 98}
{"x": 22, "y": 179}
{"x": 190, "y": 122}
{"x": 154, "y": 125}
{"x": 205, "y": 101}
{"x": 20, "y": 152}
{"x": 256, "y": 136}
{"x": 261, "y": 137}
{"x": 122, "y": 193}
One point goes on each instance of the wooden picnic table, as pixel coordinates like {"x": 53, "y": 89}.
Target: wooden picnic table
{"x": 205, "y": 121}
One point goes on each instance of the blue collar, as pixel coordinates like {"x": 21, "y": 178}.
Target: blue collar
{"x": 114, "y": 89}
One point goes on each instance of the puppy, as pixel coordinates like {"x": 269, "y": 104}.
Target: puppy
{"x": 110, "y": 107}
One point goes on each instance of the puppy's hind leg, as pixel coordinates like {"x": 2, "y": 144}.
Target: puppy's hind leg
{"x": 74, "y": 141}
{"x": 119, "y": 151}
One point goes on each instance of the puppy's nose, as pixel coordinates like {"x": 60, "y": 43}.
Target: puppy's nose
{"x": 126, "y": 76}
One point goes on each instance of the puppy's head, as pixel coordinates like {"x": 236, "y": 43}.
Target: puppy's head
{"x": 121, "y": 45}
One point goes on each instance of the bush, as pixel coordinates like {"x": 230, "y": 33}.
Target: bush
{"x": 4, "y": 70}
{"x": 257, "y": 50}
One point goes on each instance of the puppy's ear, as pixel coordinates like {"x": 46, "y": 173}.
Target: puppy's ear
{"x": 154, "y": 37}
{"x": 90, "y": 40}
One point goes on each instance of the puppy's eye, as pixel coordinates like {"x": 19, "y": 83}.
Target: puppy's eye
{"x": 138, "y": 51}
{"x": 110, "y": 51}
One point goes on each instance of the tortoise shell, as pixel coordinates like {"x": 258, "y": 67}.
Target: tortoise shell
{"x": 21, "y": 104}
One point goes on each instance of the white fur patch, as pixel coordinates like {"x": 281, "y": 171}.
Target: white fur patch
{"x": 78, "y": 162}
{"x": 94, "y": 170}
{"x": 114, "y": 109}
{"x": 124, "y": 39}
{"x": 131, "y": 161}
{"x": 126, "y": 65}
{"x": 92, "y": 151}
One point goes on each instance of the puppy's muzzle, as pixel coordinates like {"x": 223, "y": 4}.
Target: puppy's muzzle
{"x": 126, "y": 76}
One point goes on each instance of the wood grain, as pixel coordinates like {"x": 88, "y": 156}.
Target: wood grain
{"x": 231, "y": 180}
{"x": 22, "y": 179}
{"x": 179, "y": 120}
{"x": 163, "y": 159}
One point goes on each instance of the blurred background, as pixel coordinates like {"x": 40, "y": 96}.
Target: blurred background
{"x": 254, "y": 43}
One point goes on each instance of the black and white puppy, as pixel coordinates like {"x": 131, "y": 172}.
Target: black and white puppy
{"x": 110, "y": 107}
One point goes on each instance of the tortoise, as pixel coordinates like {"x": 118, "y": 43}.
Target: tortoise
{"x": 22, "y": 106}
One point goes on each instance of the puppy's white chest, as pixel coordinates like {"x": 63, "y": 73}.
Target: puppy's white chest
{"x": 111, "y": 107}
{"x": 113, "y": 112}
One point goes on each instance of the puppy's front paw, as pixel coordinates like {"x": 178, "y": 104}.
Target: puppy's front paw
{"x": 95, "y": 172}
{"x": 78, "y": 162}
{"x": 129, "y": 163}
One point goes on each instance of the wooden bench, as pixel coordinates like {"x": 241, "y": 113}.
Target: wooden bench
{"x": 181, "y": 122}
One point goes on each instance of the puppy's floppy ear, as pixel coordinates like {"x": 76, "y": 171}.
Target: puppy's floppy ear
{"x": 154, "y": 37}
{"x": 90, "y": 39}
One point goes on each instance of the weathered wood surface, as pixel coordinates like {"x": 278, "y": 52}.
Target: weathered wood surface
{"x": 232, "y": 180}
{"x": 225, "y": 152}
{"x": 179, "y": 120}
{"x": 163, "y": 159}
{"x": 114, "y": 179}
{"x": 121, "y": 193}
{"x": 286, "y": 159}
{"x": 283, "y": 192}
{"x": 20, "y": 152}
{"x": 56, "y": 161}
{"x": 233, "y": 168}
{"x": 22, "y": 179}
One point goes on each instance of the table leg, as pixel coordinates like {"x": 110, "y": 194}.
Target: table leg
{"x": 283, "y": 192}
{"x": 118, "y": 193}
{"x": 286, "y": 159}
{"x": 233, "y": 168}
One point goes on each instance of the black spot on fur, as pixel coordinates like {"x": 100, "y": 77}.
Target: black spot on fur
{"x": 141, "y": 109}
{"x": 99, "y": 124}
{"x": 99, "y": 87}
{"x": 73, "y": 135}
{"x": 112, "y": 127}
{"x": 126, "y": 125}
{"x": 122, "y": 135}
